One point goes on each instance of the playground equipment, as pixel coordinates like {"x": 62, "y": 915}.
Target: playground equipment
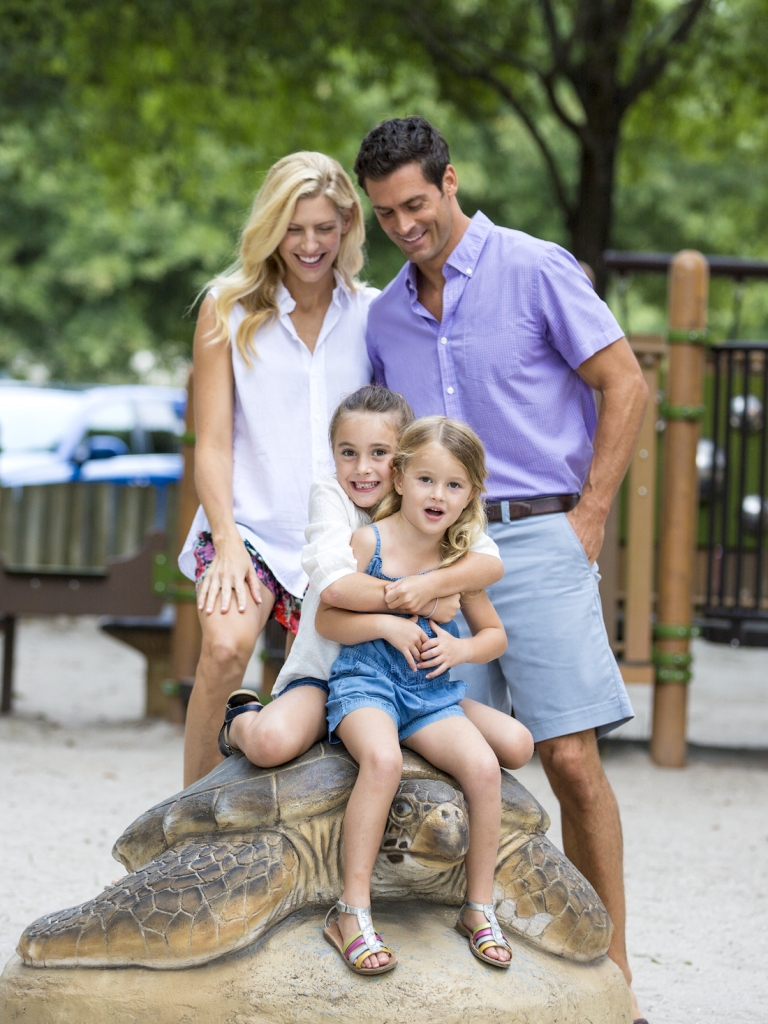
{"x": 725, "y": 389}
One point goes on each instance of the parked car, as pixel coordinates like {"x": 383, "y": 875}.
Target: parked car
{"x": 122, "y": 433}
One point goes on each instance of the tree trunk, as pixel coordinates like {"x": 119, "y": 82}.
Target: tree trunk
{"x": 590, "y": 223}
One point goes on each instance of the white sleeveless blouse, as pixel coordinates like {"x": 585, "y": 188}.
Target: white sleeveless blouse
{"x": 283, "y": 406}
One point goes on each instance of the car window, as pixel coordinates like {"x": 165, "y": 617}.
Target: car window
{"x": 116, "y": 419}
{"x": 161, "y": 424}
{"x": 35, "y": 420}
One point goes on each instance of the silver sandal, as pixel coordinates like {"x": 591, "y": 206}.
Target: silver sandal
{"x": 486, "y": 935}
{"x": 362, "y": 944}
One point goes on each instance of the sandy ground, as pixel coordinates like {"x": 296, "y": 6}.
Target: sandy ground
{"x": 78, "y": 765}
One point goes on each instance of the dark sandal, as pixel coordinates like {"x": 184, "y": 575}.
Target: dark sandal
{"x": 362, "y": 943}
{"x": 485, "y": 936}
{"x": 237, "y": 702}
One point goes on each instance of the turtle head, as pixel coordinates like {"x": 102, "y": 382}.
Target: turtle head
{"x": 427, "y": 823}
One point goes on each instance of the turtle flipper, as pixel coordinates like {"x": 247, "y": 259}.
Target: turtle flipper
{"x": 185, "y": 907}
{"x": 544, "y": 898}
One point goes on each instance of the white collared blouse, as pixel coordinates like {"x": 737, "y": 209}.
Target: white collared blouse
{"x": 283, "y": 405}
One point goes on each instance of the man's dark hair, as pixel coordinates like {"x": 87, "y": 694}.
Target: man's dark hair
{"x": 400, "y": 141}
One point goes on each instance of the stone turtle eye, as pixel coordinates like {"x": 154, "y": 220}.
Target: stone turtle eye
{"x": 401, "y": 808}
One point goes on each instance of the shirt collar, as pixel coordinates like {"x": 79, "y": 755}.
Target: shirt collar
{"x": 286, "y": 302}
{"x": 464, "y": 257}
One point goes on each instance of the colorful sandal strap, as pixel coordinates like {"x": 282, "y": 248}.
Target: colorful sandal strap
{"x": 357, "y": 949}
{"x": 499, "y": 938}
{"x": 363, "y": 914}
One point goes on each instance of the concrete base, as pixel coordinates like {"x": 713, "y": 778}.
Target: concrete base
{"x": 293, "y": 976}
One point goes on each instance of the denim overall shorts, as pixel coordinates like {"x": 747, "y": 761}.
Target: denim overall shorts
{"x": 376, "y": 675}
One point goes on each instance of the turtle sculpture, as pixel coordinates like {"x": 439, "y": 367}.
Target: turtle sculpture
{"x": 216, "y": 866}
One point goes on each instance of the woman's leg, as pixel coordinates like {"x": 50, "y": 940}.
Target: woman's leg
{"x": 228, "y": 643}
{"x": 509, "y": 739}
{"x": 370, "y": 736}
{"x": 456, "y": 746}
{"x": 284, "y": 729}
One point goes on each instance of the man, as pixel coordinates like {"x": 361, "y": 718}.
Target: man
{"x": 504, "y": 331}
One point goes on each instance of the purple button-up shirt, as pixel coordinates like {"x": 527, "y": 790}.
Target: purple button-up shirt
{"x": 519, "y": 315}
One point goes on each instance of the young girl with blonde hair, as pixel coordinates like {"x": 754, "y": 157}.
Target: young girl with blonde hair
{"x": 379, "y": 699}
{"x": 280, "y": 339}
{"x": 363, "y": 437}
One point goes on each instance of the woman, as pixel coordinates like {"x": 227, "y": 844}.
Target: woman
{"x": 280, "y": 339}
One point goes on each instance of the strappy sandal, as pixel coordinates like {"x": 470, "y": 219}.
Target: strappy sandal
{"x": 362, "y": 943}
{"x": 485, "y": 936}
{"x": 237, "y": 702}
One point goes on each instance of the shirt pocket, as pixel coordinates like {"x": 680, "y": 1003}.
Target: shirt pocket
{"x": 488, "y": 354}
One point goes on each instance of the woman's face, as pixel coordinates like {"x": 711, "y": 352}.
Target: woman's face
{"x": 362, "y": 450}
{"x": 312, "y": 241}
{"x": 435, "y": 489}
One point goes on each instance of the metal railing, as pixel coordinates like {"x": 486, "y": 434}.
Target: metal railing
{"x": 734, "y": 478}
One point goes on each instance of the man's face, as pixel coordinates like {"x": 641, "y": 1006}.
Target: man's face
{"x": 413, "y": 212}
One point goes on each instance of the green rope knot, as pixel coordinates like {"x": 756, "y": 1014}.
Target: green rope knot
{"x": 690, "y": 337}
{"x": 677, "y": 660}
{"x": 691, "y": 413}
{"x": 673, "y": 675}
{"x": 669, "y": 631}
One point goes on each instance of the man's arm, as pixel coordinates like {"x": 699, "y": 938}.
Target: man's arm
{"x": 616, "y": 374}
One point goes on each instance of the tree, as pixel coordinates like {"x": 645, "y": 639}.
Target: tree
{"x": 576, "y": 65}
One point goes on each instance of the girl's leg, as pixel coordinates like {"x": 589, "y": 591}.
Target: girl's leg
{"x": 456, "y": 746}
{"x": 228, "y": 643}
{"x": 509, "y": 739}
{"x": 370, "y": 736}
{"x": 284, "y": 729}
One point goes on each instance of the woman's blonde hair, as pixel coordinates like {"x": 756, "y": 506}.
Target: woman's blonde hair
{"x": 465, "y": 446}
{"x": 253, "y": 280}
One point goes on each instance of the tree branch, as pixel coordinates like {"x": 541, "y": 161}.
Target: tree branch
{"x": 439, "y": 50}
{"x": 648, "y": 69}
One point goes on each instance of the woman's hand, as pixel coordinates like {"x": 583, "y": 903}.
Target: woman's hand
{"x": 441, "y": 651}
{"x": 412, "y": 594}
{"x": 231, "y": 570}
{"x": 407, "y": 636}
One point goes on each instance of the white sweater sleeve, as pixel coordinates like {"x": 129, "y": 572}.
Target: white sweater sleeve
{"x": 327, "y": 555}
{"x": 485, "y": 545}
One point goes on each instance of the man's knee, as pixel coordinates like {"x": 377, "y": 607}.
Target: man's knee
{"x": 572, "y": 764}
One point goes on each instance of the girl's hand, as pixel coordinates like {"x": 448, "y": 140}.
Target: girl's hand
{"x": 231, "y": 570}
{"x": 407, "y": 636}
{"x": 412, "y": 594}
{"x": 446, "y": 609}
{"x": 441, "y": 652}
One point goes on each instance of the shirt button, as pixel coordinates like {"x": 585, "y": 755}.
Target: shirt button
{"x": 449, "y": 390}
{"x": 469, "y": 271}
{"x": 443, "y": 341}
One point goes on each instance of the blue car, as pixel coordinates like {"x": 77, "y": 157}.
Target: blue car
{"x": 122, "y": 434}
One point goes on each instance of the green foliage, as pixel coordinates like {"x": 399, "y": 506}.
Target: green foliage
{"x": 133, "y": 136}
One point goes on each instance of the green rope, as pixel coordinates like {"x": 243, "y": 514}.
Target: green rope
{"x": 668, "y": 631}
{"x": 691, "y": 337}
{"x": 690, "y": 413}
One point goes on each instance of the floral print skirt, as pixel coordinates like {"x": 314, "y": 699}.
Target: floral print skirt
{"x": 286, "y": 609}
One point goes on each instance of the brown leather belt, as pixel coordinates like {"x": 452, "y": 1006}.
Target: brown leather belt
{"x": 521, "y": 508}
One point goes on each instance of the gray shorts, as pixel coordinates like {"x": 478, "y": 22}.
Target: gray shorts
{"x": 558, "y": 675}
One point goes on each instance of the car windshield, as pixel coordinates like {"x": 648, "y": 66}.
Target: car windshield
{"x": 35, "y": 419}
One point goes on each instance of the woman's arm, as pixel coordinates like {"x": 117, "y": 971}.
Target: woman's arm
{"x": 231, "y": 569}
{"x": 488, "y": 640}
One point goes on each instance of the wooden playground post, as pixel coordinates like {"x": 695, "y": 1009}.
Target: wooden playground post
{"x": 683, "y": 409}
{"x": 187, "y": 635}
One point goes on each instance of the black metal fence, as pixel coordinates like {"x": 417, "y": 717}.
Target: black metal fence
{"x": 732, "y": 474}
